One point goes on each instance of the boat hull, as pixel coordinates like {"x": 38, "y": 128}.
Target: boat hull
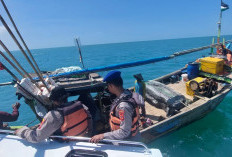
{"x": 195, "y": 111}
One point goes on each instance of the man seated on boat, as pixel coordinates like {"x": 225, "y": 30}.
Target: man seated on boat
{"x": 124, "y": 112}
{"x": 66, "y": 118}
{"x": 7, "y": 117}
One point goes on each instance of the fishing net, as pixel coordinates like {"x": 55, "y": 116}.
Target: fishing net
{"x": 161, "y": 96}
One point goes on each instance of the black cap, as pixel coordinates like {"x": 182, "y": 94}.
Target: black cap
{"x": 57, "y": 93}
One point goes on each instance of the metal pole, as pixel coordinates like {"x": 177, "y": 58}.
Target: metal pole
{"x": 9, "y": 53}
{"x": 20, "y": 47}
{"x": 12, "y": 64}
{"x": 20, "y": 36}
{"x": 87, "y": 139}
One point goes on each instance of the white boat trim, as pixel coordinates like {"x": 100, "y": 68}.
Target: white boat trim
{"x": 51, "y": 147}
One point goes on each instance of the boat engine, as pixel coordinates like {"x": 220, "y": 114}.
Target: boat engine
{"x": 207, "y": 88}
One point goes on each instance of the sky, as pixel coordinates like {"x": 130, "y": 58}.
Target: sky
{"x": 55, "y": 23}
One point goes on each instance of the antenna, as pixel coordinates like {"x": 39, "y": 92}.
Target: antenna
{"x": 77, "y": 42}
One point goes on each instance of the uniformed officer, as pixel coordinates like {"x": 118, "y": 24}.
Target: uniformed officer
{"x": 124, "y": 113}
{"x": 66, "y": 118}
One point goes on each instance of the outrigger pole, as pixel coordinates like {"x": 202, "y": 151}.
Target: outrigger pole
{"x": 24, "y": 90}
{"x": 10, "y": 54}
{"x": 20, "y": 47}
{"x": 12, "y": 64}
{"x": 7, "y": 83}
{"x": 20, "y": 36}
{"x": 5, "y": 68}
{"x": 132, "y": 64}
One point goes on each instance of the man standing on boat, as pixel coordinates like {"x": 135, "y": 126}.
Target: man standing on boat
{"x": 66, "y": 118}
{"x": 7, "y": 117}
{"x": 124, "y": 113}
{"x": 140, "y": 88}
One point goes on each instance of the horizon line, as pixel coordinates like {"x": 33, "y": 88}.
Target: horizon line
{"x": 121, "y": 42}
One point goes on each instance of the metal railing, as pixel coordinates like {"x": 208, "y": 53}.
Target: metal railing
{"x": 87, "y": 139}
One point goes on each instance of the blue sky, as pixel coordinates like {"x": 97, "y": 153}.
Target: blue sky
{"x": 55, "y": 23}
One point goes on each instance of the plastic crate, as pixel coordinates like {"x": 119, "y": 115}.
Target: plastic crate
{"x": 212, "y": 65}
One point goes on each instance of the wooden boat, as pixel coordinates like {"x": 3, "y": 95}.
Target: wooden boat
{"x": 196, "y": 109}
{"x": 196, "y": 106}
{"x": 87, "y": 81}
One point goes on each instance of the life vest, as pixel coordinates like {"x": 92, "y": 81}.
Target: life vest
{"x": 115, "y": 121}
{"x": 75, "y": 119}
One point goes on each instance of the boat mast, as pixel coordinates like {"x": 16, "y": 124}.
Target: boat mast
{"x": 79, "y": 50}
{"x": 222, "y": 8}
{"x": 219, "y": 25}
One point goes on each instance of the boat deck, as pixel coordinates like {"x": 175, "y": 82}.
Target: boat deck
{"x": 180, "y": 87}
{"x": 156, "y": 114}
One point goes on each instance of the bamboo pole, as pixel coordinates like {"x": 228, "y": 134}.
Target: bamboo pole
{"x": 20, "y": 36}
{"x": 10, "y": 54}
{"x": 25, "y": 90}
{"x": 5, "y": 68}
{"x": 12, "y": 64}
{"x": 20, "y": 47}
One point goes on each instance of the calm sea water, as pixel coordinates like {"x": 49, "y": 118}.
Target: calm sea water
{"x": 210, "y": 136}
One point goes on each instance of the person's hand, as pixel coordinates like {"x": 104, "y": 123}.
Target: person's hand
{"x": 96, "y": 138}
{"x": 16, "y": 105}
{"x": 16, "y": 131}
{"x": 5, "y": 125}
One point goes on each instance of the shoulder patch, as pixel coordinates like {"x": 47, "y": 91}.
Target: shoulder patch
{"x": 121, "y": 115}
{"x": 40, "y": 125}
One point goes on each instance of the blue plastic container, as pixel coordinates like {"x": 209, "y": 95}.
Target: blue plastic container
{"x": 193, "y": 70}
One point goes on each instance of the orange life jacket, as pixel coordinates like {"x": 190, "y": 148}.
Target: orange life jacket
{"x": 75, "y": 120}
{"x": 115, "y": 121}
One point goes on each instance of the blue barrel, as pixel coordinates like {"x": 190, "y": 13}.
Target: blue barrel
{"x": 193, "y": 70}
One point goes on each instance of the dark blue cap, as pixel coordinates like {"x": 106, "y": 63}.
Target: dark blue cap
{"x": 112, "y": 75}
